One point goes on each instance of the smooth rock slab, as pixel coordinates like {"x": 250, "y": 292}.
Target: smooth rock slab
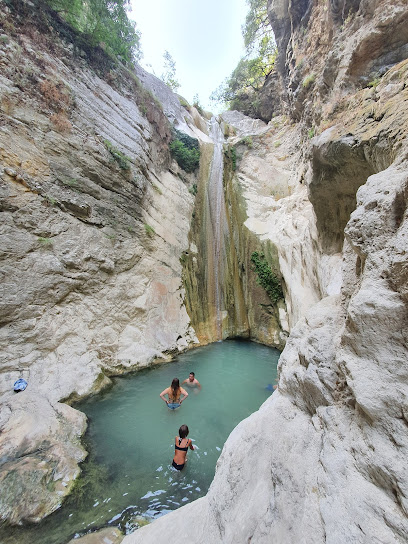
{"x": 104, "y": 536}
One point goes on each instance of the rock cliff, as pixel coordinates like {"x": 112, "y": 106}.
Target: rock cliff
{"x": 94, "y": 221}
{"x": 101, "y": 235}
{"x": 323, "y": 460}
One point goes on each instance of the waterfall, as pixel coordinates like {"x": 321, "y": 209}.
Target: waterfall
{"x": 214, "y": 293}
{"x": 217, "y": 227}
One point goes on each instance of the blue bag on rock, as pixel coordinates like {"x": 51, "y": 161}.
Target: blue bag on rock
{"x": 20, "y": 385}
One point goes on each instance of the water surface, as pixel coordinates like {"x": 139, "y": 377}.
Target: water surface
{"x": 131, "y": 432}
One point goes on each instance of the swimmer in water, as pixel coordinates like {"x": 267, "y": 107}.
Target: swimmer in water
{"x": 182, "y": 443}
{"x": 191, "y": 381}
{"x": 174, "y": 393}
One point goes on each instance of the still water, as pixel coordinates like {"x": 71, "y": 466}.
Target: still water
{"x": 127, "y": 476}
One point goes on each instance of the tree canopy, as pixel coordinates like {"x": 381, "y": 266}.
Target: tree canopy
{"x": 258, "y": 62}
{"x": 104, "y": 23}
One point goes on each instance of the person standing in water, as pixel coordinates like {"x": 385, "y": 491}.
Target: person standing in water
{"x": 174, "y": 393}
{"x": 191, "y": 381}
{"x": 182, "y": 443}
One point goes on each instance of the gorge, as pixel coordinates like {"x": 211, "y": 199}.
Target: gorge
{"x": 111, "y": 261}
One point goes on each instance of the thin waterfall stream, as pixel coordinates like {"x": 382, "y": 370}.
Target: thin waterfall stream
{"x": 218, "y": 224}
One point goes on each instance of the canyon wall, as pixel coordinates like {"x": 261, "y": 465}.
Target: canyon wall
{"x": 107, "y": 260}
{"x": 326, "y": 183}
{"x": 95, "y": 217}
{"x": 103, "y": 253}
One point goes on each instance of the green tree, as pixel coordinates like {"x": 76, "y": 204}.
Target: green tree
{"x": 256, "y": 26}
{"x": 169, "y": 74}
{"x": 186, "y": 150}
{"x": 258, "y": 63}
{"x": 197, "y": 104}
{"x": 104, "y": 23}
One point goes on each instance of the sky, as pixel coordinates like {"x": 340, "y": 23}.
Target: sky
{"x": 203, "y": 37}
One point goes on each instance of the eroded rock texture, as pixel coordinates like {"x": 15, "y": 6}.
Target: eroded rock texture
{"x": 96, "y": 219}
{"x": 324, "y": 459}
{"x": 93, "y": 226}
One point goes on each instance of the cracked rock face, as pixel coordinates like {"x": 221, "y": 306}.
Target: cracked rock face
{"x": 324, "y": 459}
{"x": 93, "y": 225}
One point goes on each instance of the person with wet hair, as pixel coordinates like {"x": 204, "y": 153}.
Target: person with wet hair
{"x": 174, "y": 393}
{"x": 182, "y": 443}
{"x": 192, "y": 381}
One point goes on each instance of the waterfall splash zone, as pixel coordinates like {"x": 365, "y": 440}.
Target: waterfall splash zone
{"x": 127, "y": 476}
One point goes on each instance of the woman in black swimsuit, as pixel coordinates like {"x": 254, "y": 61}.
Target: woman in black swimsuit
{"x": 181, "y": 447}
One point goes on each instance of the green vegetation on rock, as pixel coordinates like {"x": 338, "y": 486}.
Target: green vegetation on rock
{"x": 185, "y": 150}
{"x": 118, "y": 156}
{"x": 103, "y": 23}
{"x": 374, "y": 83}
{"x": 45, "y": 242}
{"x": 193, "y": 189}
{"x": 311, "y": 132}
{"x": 308, "y": 81}
{"x": 230, "y": 154}
{"x": 248, "y": 141}
{"x": 149, "y": 230}
{"x": 266, "y": 278}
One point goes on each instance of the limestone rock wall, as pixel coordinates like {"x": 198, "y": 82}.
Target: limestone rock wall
{"x": 95, "y": 218}
{"x": 327, "y": 48}
{"x": 323, "y": 460}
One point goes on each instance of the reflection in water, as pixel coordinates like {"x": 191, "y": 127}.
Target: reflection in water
{"x": 128, "y": 476}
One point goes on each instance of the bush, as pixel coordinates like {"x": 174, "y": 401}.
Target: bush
{"x": 104, "y": 23}
{"x": 266, "y": 278}
{"x": 185, "y": 150}
{"x": 248, "y": 141}
{"x": 149, "y": 230}
{"x": 193, "y": 190}
{"x": 61, "y": 122}
{"x": 118, "y": 156}
{"x": 374, "y": 83}
{"x": 231, "y": 154}
{"x": 44, "y": 242}
{"x": 308, "y": 81}
{"x": 56, "y": 94}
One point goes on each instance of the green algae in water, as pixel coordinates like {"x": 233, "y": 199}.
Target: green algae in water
{"x": 127, "y": 477}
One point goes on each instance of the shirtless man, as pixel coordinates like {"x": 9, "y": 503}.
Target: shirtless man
{"x": 192, "y": 381}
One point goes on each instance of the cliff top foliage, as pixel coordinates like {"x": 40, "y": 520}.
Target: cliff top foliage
{"x": 257, "y": 64}
{"x": 104, "y": 23}
{"x": 169, "y": 74}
